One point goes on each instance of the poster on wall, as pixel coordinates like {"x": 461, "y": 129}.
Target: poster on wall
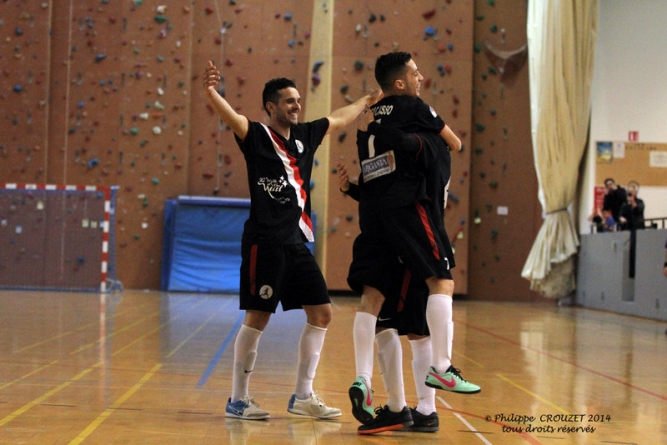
{"x": 598, "y": 197}
{"x": 619, "y": 150}
{"x": 604, "y": 152}
{"x": 658, "y": 159}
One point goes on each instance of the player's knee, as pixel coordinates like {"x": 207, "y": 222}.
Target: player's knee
{"x": 371, "y": 300}
{"x": 440, "y": 286}
{"x": 320, "y": 315}
{"x": 257, "y": 319}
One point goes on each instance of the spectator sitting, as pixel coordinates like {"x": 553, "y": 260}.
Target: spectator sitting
{"x": 607, "y": 221}
{"x": 604, "y": 221}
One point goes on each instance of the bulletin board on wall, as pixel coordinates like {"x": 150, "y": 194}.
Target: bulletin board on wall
{"x": 643, "y": 162}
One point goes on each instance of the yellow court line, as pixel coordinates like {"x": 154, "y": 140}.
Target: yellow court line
{"x": 59, "y": 388}
{"x": 64, "y": 334}
{"x": 125, "y": 328}
{"x": 470, "y": 360}
{"x": 117, "y": 404}
{"x": 153, "y": 331}
{"x": 147, "y": 334}
{"x": 71, "y": 332}
{"x": 527, "y": 391}
{"x": 40, "y": 399}
{"x": 189, "y": 337}
{"x": 28, "y": 374}
{"x": 116, "y": 332}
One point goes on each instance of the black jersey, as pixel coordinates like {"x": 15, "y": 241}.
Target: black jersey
{"x": 279, "y": 173}
{"x": 394, "y": 177}
{"x": 409, "y": 113}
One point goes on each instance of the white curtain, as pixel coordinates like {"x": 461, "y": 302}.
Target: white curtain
{"x": 561, "y": 48}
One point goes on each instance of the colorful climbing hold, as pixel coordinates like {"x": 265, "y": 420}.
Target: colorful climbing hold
{"x": 428, "y": 14}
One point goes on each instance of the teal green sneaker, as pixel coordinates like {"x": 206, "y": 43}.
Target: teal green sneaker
{"x": 450, "y": 380}
{"x": 362, "y": 401}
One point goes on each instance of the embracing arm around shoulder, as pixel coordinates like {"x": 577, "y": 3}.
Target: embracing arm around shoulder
{"x": 342, "y": 117}
{"x": 395, "y": 138}
{"x": 238, "y": 122}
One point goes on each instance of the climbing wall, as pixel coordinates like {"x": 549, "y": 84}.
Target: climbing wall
{"x": 109, "y": 93}
{"x": 505, "y": 213}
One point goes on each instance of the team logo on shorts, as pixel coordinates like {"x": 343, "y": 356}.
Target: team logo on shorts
{"x": 266, "y": 292}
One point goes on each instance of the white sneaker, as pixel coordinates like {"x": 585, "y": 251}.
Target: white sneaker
{"x": 246, "y": 409}
{"x": 312, "y": 406}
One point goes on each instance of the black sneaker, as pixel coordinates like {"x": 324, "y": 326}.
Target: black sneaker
{"x": 423, "y": 423}
{"x": 386, "y": 420}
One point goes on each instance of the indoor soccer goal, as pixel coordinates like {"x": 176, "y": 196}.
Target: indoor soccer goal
{"x": 58, "y": 237}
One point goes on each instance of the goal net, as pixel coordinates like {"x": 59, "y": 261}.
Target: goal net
{"x": 58, "y": 237}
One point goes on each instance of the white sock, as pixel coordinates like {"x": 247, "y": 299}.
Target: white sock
{"x": 422, "y": 356}
{"x": 439, "y": 315}
{"x": 364, "y": 334}
{"x": 245, "y": 353}
{"x": 310, "y": 347}
{"x": 390, "y": 360}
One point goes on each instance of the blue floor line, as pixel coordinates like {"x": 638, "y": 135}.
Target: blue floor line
{"x": 214, "y": 361}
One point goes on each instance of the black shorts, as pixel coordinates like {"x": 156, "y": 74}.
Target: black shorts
{"x": 272, "y": 273}
{"x": 422, "y": 246}
{"x": 405, "y": 305}
{"x": 407, "y": 234}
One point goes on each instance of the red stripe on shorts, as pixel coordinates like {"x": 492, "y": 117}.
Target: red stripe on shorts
{"x": 253, "y": 269}
{"x": 427, "y": 227}
{"x": 407, "y": 276}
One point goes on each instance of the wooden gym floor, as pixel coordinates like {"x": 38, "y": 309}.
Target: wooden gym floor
{"x": 154, "y": 368}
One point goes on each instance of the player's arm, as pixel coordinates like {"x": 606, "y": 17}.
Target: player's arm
{"x": 450, "y": 138}
{"x": 238, "y": 122}
{"x": 342, "y": 117}
{"x": 349, "y": 188}
{"x": 395, "y": 139}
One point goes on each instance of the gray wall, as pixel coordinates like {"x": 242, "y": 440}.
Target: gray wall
{"x": 603, "y": 273}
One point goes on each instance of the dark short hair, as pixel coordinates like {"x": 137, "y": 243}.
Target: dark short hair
{"x": 272, "y": 89}
{"x": 609, "y": 179}
{"x": 390, "y": 67}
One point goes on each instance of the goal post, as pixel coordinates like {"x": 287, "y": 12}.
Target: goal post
{"x": 58, "y": 237}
